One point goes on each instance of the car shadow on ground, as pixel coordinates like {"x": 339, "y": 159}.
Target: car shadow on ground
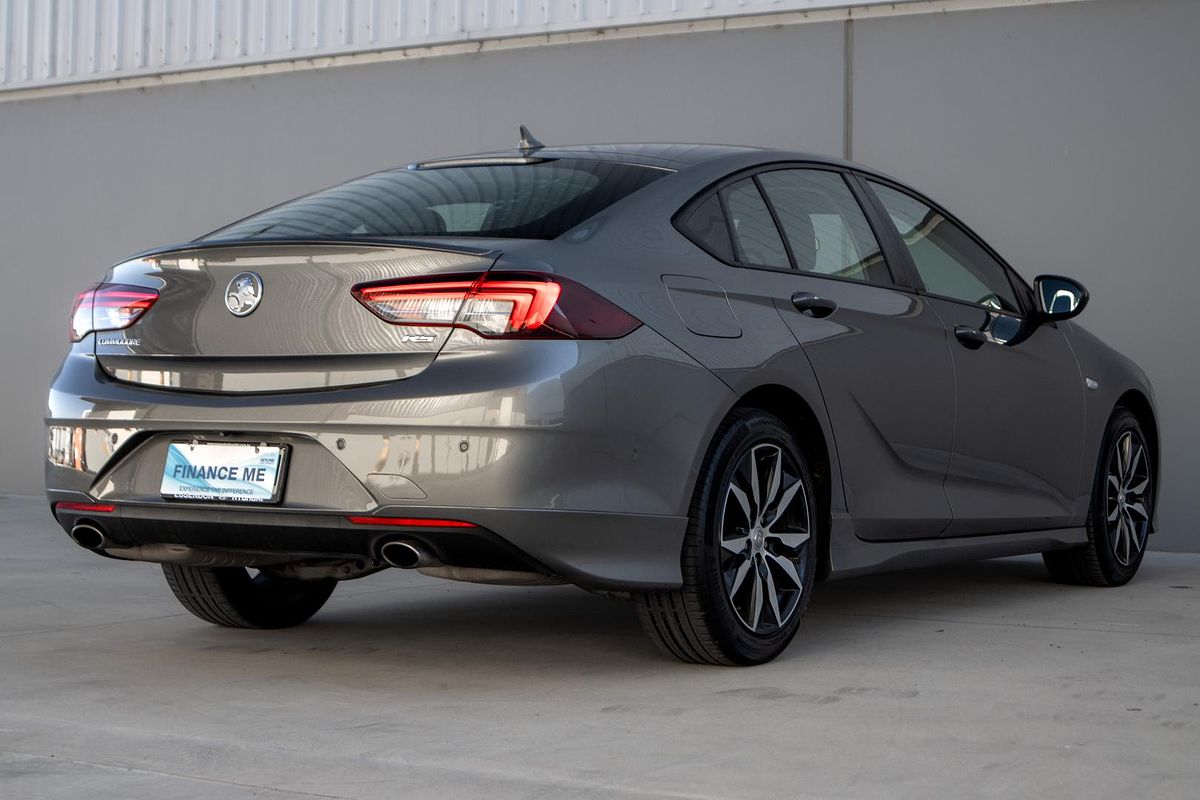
{"x": 448, "y": 631}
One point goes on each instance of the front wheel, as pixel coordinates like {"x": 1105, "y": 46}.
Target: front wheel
{"x": 1118, "y": 521}
{"x": 233, "y": 598}
{"x": 749, "y": 555}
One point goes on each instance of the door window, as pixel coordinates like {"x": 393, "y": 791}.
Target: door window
{"x": 825, "y": 227}
{"x": 755, "y": 238}
{"x": 949, "y": 262}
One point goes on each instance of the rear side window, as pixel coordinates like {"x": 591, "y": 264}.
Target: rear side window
{"x": 704, "y": 224}
{"x": 527, "y": 201}
{"x": 825, "y": 227}
{"x": 755, "y": 237}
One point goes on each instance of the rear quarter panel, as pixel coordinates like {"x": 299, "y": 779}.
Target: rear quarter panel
{"x": 623, "y": 252}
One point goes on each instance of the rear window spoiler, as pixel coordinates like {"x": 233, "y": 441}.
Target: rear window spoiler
{"x": 417, "y": 244}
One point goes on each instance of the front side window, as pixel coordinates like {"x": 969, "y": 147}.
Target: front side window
{"x": 755, "y": 237}
{"x": 949, "y": 262}
{"x": 825, "y": 227}
{"x": 519, "y": 201}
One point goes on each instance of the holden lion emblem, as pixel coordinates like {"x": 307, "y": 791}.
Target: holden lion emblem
{"x": 243, "y": 294}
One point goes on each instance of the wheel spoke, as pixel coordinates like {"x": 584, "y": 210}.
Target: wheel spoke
{"x": 1112, "y": 517}
{"x": 739, "y": 494}
{"x": 784, "y": 501}
{"x": 792, "y": 540}
{"x": 1134, "y": 461}
{"x": 754, "y": 488}
{"x": 772, "y": 595}
{"x": 1123, "y": 453}
{"x": 773, "y": 481}
{"x": 1134, "y": 538}
{"x": 1139, "y": 488}
{"x": 756, "y": 598}
{"x": 740, "y": 576}
{"x": 1126, "y": 536}
{"x": 1118, "y": 533}
{"x": 1115, "y": 482}
{"x": 788, "y": 568}
{"x": 735, "y": 545}
{"x": 1139, "y": 509}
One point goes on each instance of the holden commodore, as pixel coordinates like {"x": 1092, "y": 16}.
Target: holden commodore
{"x": 703, "y": 378}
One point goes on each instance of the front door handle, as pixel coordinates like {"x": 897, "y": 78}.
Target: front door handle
{"x": 812, "y": 305}
{"x": 970, "y": 338}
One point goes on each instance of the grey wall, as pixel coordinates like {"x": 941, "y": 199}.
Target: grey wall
{"x": 1063, "y": 133}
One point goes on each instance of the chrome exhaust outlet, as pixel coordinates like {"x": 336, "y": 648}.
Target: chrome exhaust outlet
{"x": 88, "y": 536}
{"x": 406, "y": 555}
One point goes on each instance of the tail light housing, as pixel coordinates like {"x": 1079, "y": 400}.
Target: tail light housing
{"x": 109, "y": 307}
{"x": 498, "y": 305}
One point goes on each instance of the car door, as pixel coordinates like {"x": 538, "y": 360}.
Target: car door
{"x": 878, "y": 350}
{"x": 1020, "y": 396}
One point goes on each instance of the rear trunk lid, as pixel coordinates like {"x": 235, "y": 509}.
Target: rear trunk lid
{"x": 275, "y": 317}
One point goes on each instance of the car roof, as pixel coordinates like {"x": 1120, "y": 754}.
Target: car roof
{"x": 656, "y": 154}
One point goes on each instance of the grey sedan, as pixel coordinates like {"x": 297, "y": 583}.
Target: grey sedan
{"x": 702, "y": 378}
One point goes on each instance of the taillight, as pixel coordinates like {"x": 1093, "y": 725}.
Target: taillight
{"x": 498, "y": 305}
{"x": 109, "y": 307}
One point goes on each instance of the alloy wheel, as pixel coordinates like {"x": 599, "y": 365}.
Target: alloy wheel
{"x": 1127, "y": 497}
{"x": 766, "y": 524}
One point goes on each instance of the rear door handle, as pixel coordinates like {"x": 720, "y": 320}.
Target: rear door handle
{"x": 970, "y": 338}
{"x": 812, "y": 305}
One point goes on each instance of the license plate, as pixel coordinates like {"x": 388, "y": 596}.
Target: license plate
{"x": 225, "y": 471}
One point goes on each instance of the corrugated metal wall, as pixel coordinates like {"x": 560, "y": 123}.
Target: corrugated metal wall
{"x": 63, "y": 41}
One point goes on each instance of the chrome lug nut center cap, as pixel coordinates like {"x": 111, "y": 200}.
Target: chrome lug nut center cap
{"x": 757, "y": 537}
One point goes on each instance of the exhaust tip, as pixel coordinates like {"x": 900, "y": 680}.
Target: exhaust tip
{"x": 404, "y": 555}
{"x": 88, "y": 536}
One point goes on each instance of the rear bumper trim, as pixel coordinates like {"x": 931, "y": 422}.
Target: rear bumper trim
{"x": 591, "y": 549}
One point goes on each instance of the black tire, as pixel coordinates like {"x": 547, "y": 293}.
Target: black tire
{"x": 231, "y": 597}
{"x": 1110, "y": 558}
{"x": 705, "y": 621}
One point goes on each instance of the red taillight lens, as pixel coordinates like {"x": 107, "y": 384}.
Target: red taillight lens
{"x": 109, "y": 307}
{"x": 499, "y": 305}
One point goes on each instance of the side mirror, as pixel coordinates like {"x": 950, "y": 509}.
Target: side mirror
{"x": 1060, "y": 298}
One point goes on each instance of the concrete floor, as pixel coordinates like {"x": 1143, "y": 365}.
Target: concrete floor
{"x": 983, "y": 680}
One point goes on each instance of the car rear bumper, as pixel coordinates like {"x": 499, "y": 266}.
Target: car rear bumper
{"x": 590, "y": 549}
{"x": 579, "y": 455}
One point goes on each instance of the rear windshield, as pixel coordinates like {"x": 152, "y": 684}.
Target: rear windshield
{"x": 526, "y": 201}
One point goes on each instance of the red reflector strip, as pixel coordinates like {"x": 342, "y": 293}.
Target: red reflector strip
{"x": 412, "y": 522}
{"x": 86, "y": 508}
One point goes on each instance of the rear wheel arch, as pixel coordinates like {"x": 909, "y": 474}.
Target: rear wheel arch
{"x": 798, "y": 416}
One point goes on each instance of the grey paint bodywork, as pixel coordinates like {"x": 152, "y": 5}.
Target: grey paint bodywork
{"x": 583, "y": 455}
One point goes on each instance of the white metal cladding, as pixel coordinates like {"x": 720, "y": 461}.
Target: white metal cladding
{"x": 49, "y": 42}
